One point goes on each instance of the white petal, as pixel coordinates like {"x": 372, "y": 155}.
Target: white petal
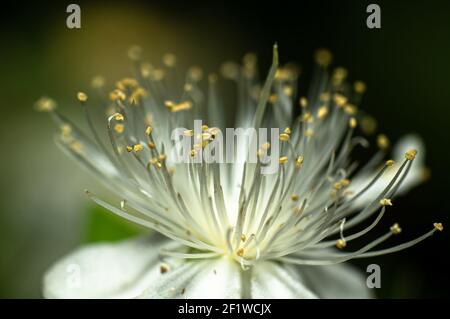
{"x": 222, "y": 278}
{"x": 201, "y": 279}
{"x": 272, "y": 280}
{"x": 117, "y": 270}
{"x": 336, "y": 281}
{"x": 414, "y": 177}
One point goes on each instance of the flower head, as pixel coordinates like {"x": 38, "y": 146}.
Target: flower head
{"x": 300, "y": 214}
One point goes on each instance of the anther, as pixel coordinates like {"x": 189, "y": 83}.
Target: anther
{"x": 137, "y": 148}
{"x": 411, "y": 154}
{"x": 385, "y": 202}
{"x": 359, "y": 87}
{"x": 340, "y": 243}
{"x": 395, "y": 229}
{"x": 283, "y": 160}
{"x": 390, "y": 163}
{"x": 119, "y": 128}
{"x": 323, "y": 57}
{"x": 284, "y": 137}
{"x": 45, "y": 104}
{"x": 299, "y": 161}
{"x": 118, "y": 117}
{"x": 322, "y": 112}
{"x": 303, "y": 102}
{"x": 438, "y": 226}
{"x": 382, "y": 141}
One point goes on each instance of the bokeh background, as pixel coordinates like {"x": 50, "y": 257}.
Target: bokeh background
{"x": 43, "y": 212}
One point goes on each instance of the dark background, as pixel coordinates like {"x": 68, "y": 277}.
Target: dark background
{"x": 406, "y": 65}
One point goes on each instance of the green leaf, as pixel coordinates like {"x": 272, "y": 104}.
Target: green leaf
{"x": 102, "y": 225}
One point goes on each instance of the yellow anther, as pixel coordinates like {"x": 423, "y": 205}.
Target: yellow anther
{"x": 383, "y": 141}
{"x": 340, "y": 99}
{"x": 309, "y": 132}
{"x": 82, "y": 97}
{"x": 286, "y": 74}
{"x": 212, "y": 78}
{"x": 153, "y": 161}
{"x": 283, "y": 160}
{"x": 76, "y": 146}
{"x": 188, "y": 133}
{"x": 340, "y": 243}
{"x": 169, "y": 60}
{"x": 119, "y": 128}
{"x": 273, "y": 98}
{"x": 359, "y": 87}
{"x": 157, "y": 74}
{"x": 148, "y": 130}
{"x": 303, "y": 102}
{"x": 117, "y": 95}
{"x": 173, "y": 107}
{"x": 345, "y": 182}
{"x": 299, "y": 161}
{"x": 129, "y": 148}
{"x": 288, "y": 90}
{"x": 287, "y": 130}
{"x": 135, "y": 53}
{"x": 350, "y": 109}
{"x": 146, "y": 70}
{"x": 240, "y": 252}
{"x": 118, "y": 117}
{"x": 322, "y": 112}
{"x": 323, "y": 57}
{"x": 295, "y": 197}
{"x": 352, "y": 122}
{"x": 193, "y": 153}
{"x": 265, "y": 146}
{"x": 137, "y": 148}
{"x": 45, "y": 104}
{"x": 162, "y": 157}
{"x": 205, "y": 127}
{"x": 195, "y": 73}
{"x": 137, "y": 95}
{"x": 206, "y": 136}
{"x": 438, "y": 226}
{"x": 284, "y": 137}
{"x": 243, "y": 238}
{"x": 188, "y": 87}
{"x": 127, "y": 83}
{"x": 250, "y": 59}
{"x": 390, "y": 163}
{"x": 229, "y": 70}
{"x": 324, "y": 97}
{"x": 385, "y": 202}
{"x": 307, "y": 117}
{"x": 395, "y": 229}
{"x": 411, "y": 154}
{"x": 66, "y": 129}
{"x": 339, "y": 74}
{"x": 98, "y": 82}
{"x": 260, "y": 152}
{"x": 368, "y": 125}
{"x": 151, "y": 145}
{"x": 337, "y": 185}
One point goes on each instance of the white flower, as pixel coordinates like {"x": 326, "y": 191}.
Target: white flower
{"x": 226, "y": 230}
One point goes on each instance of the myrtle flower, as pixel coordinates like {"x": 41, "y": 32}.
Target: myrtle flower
{"x": 225, "y": 230}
